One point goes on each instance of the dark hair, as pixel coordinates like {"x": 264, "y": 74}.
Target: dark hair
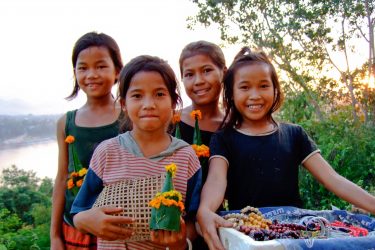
{"x": 243, "y": 58}
{"x": 203, "y": 48}
{"x": 148, "y": 63}
{"x": 95, "y": 39}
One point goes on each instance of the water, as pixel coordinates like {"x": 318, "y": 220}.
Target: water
{"x": 41, "y": 158}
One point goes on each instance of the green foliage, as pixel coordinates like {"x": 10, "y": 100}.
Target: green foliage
{"x": 25, "y": 207}
{"x": 349, "y": 148}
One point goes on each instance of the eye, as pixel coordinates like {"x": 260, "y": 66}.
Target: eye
{"x": 207, "y": 70}
{"x": 81, "y": 68}
{"x": 102, "y": 66}
{"x": 244, "y": 87}
{"x": 136, "y": 96}
{"x": 265, "y": 85}
{"x": 160, "y": 94}
{"x": 188, "y": 75}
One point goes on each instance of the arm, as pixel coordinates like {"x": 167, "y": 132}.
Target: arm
{"x": 337, "y": 184}
{"x": 211, "y": 197}
{"x": 105, "y": 225}
{"x": 58, "y": 196}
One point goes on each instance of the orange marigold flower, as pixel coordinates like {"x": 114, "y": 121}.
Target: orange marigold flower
{"x": 196, "y": 114}
{"x": 70, "y": 184}
{"x": 74, "y": 174}
{"x": 201, "y": 150}
{"x": 79, "y": 183}
{"x": 69, "y": 139}
{"x": 176, "y": 118}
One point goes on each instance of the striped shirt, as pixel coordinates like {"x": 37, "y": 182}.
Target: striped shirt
{"x": 112, "y": 163}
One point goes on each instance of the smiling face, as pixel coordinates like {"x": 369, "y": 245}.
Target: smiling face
{"x": 95, "y": 71}
{"x": 148, "y": 102}
{"x": 202, "y": 80}
{"x": 253, "y": 93}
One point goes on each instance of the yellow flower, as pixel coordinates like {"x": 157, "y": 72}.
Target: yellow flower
{"x": 176, "y": 118}
{"x": 79, "y": 183}
{"x": 201, "y": 150}
{"x": 70, "y": 184}
{"x": 82, "y": 172}
{"x": 171, "y": 168}
{"x": 196, "y": 114}
{"x": 69, "y": 139}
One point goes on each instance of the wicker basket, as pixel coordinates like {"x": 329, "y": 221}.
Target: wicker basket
{"x": 133, "y": 195}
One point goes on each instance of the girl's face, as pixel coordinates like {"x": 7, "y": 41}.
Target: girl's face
{"x": 95, "y": 71}
{"x": 148, "y": 102}
{"x": 202, "y": 79}
{"x": 253, "y": 92}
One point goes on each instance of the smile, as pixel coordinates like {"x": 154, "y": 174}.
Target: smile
{"x": 254, "y": 107}
{"x": 201, "y": 91}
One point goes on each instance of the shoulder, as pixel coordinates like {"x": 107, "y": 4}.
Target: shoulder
{"x": 290, "y": 127}
{"x": 109, "y": 145}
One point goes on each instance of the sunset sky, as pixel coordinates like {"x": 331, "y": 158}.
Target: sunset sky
{"x": 38, "y": 37}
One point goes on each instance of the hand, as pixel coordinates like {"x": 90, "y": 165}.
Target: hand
{"x": 57, "y": 244}
{"x": 209, "y": 222}
{"x": 100, "y": 221}
{"x": 171, "y": 239}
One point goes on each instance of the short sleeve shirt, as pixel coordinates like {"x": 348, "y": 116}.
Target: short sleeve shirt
{"x": 263, "y": 170}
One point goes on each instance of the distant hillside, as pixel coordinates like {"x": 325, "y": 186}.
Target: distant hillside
{"x": 26, "y": 129}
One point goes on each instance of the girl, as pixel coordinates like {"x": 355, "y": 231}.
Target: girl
{"x": 96, "y": 62}
{"x": 202, "y": 67}
{"x": 254, "y": 160}
{"x": 148, "y": 94}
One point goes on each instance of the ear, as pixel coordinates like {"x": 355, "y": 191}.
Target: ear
{"x": 123, "y": 105}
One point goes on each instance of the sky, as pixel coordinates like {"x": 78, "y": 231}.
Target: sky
{"x": 37, "y": 38}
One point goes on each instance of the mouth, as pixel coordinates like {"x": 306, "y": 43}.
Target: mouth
{"x": 148, "y": 116}
{"x": 201, "y": 92}
{"x": 255, "y": 107}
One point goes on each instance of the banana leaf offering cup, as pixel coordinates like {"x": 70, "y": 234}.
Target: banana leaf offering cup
{"x": 167, "y": 205}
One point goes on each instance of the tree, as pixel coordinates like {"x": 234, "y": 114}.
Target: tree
{"x": 302, "y": 38}
{"x": 14, "y": 177}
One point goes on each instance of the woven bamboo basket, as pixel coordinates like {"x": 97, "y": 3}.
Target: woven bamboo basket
{"x": 133, "y": 195}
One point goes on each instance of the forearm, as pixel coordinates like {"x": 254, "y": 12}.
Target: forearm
{"x": 58, "y": 204}
{"x": 352, "y": 193}
{"x": 212, "y": 194}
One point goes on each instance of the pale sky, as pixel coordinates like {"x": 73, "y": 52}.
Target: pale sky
{"x": 37, "y": 38}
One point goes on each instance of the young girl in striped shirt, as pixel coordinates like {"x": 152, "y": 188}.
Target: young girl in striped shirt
{"x": 148, "y": 93}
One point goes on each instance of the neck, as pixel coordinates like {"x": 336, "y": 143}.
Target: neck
{"x": 209, "y": 110}
{"x": 258, "y": 127}
{"x": 151, "y": 143}
{"x": 100, "y": 102}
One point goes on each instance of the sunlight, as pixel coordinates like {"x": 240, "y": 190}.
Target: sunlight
{"x": 371, "y": 82}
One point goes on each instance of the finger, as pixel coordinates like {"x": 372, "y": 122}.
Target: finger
{"x": 112, "y": 210}
{"x": 221, "y": 222}
{"x": 120, "y": 220}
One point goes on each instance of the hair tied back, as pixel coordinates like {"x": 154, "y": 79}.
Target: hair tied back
{"x": 243, "y": 52}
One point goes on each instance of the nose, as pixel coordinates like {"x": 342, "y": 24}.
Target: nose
{"x": 148, "y": 102}
{"x": 92, "y": 73}
{"x": 198, "y": 79}
{"x": 254, "y": 94}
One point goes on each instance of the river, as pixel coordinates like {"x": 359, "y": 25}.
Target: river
{"x": 40, "y": 157}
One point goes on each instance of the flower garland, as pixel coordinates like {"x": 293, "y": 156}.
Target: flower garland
{"x": 78, "y": 175}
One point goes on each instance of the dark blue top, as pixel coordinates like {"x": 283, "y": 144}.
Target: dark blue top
{"x": 263, "y": 170}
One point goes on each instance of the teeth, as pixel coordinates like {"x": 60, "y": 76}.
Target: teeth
{"x": 254, "y": 106}
{"x": 201, "y": 92}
